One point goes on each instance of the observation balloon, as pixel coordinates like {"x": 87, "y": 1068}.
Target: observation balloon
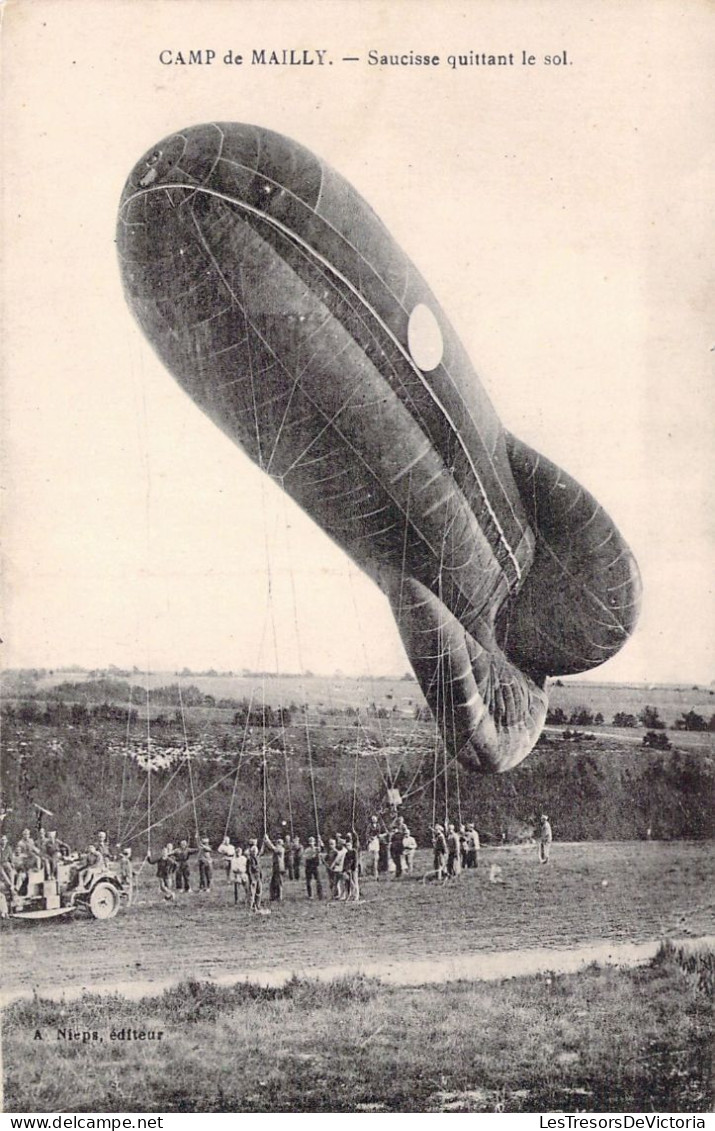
{"x": 280, "y": 302}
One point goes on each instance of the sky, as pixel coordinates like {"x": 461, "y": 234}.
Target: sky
{"x": 559, "y": 213}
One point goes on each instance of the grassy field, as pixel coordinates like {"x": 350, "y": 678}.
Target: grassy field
{"x": 316, "y": 690}
{"x": 607, "y": 891}
{"x": 603, "y": 1040}
{"x": 348, "y": 691}
{"x": 671, "y": 700}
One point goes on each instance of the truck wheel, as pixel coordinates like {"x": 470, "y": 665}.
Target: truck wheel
{"x": 104, "y": 901}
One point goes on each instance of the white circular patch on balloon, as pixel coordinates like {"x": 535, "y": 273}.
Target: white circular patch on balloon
{"x": 424, "y": 338}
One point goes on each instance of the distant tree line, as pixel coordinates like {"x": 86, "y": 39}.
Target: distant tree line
{"x": 648, "y": 718}
{"x": 60, "y": 713}
{"x": 123, "y": 694}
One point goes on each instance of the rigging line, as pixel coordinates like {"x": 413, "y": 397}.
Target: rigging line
{"x": 233, "y": 793}
{"x": 188, "y": 760}
{"x": 181, "y": 762}
{"x": 445, "y": 773}
{"x": 454, "y": 736}
{"x": 337, "y": 301}
{"x": 399, "y": 604}
{"x": 157, "y": 797}
{"x": 434, "y": 789}
{"x": 269, "y": 599}
{"x": 417, "y": 721}
{"x": 410, "y": 746}
{"x": 440, "y": 689}
{"x": 421, "y": 788}
{"x": 245, "y": 733}
{"x": 412, "y": 735}
{"x": 362, "y": 728}
{"x": 459, "y": 797}
{"x": 288, "y": 790}
{"x": 132, "y": 826}
{"x": 124, "y": 765}
{"x": 445, "y": 658}
{"x": 388, "y": 769}
{"x": 143, "y": 435}
{"x": 121, "y": 796}
{"x": 148, "y": 808}
{"x": 368, "y": 667}
{"x": 311, "y": 771}
{"x": 442, "y": 661}
{"x": 265, "y": 784}
{"x": 420, "y": 764}
{"x": 438, "y": 696}
{"x": 386, "y": 780}
{"x": 355, "y": 781}
{"x": 274, "y": 633}
{"x": 185, "y": 804}
{"x": 444, "y": 757}
{"x": 129, "y": 828}
{"x": 148, "y": 766}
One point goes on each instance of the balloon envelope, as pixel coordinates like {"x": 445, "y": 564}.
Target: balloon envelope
{"x": 277, "y": 298}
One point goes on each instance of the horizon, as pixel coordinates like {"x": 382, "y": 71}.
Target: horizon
{"x": 124, "y": 671}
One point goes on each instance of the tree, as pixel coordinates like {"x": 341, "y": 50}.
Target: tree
{"x": 690, "y": 720}
{"x": 623, "y": 719}
{"x": 581, "y": 717}
{"x": 556, "y": 716}
{"x": 650, "y": 719}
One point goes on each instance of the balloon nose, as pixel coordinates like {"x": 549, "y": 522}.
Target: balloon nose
{"x": 158, "y": 165}
{"x": 184, "y": 160}
{"x": 151, "y": 174}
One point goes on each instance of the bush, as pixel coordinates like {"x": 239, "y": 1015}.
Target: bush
{"x": 691, "y": 721}
{"x": 697, "y": 961}
{"x": 623, "y": 719}
{"x": 556, "y": 716}
{"x": 581, "y": 717}
{"x": 656, "y": 741}
{"x": 650, "y": 718}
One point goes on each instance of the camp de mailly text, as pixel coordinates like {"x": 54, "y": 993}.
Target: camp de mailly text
{"x": 319, "y": 57}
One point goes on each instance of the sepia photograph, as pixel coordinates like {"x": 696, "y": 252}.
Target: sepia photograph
{"x": 358, "y": 677}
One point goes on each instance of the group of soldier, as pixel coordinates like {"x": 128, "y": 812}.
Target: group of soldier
{"x": 244, "y": 867}
{"x": 454, "y": 849}
{"x": 331, "y": 869}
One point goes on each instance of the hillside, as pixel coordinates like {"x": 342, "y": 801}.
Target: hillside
{"x": 78, "y": 747}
